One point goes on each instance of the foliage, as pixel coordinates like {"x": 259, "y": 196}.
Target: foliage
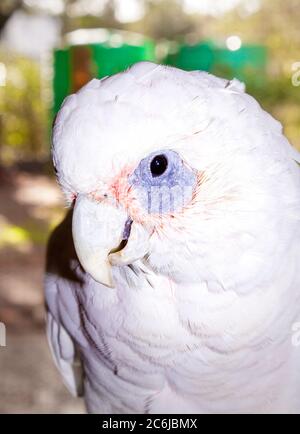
{"x": 23, "y": 110}
{"x": 275, "y": 25}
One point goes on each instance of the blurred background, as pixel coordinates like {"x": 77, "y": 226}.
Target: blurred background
{"x": 50, "y": 48}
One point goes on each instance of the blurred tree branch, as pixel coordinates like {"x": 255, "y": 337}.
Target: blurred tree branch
{"x": 7, "y": 8}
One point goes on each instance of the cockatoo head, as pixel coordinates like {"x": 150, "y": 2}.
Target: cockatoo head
{"x": 170, "y": 168}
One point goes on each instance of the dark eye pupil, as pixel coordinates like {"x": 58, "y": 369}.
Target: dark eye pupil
{"x": 158, "y": 165}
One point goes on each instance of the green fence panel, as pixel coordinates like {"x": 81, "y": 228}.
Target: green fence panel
{"x": 61, "y": 77}
{"x": 192, "y": 57}
{"x": 207, "y": 56}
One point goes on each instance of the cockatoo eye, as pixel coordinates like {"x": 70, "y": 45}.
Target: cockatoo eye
{"x": 158, "y": 165}
{"x": 163, "y": 182}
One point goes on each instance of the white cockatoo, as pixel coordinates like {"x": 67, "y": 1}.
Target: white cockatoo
{"x": 181, "y": 291}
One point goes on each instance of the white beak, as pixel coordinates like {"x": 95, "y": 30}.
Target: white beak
{"x": 97, "y": 229}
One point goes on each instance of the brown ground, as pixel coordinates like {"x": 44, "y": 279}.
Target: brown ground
{"x": 29, "y": 383}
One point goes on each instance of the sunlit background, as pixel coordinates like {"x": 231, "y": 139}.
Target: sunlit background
{"x": 50, "y": 48}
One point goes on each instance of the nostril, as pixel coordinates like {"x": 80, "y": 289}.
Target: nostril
{"x": 98, "y": 195}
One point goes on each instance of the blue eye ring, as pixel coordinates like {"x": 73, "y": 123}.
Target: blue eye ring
{"x": 143, "y": 174}
{"x": 175, "y": 173}
{"x": 163, "y": 182}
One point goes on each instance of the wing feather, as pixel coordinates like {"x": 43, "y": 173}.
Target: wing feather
{"x": 65, "y": 356}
